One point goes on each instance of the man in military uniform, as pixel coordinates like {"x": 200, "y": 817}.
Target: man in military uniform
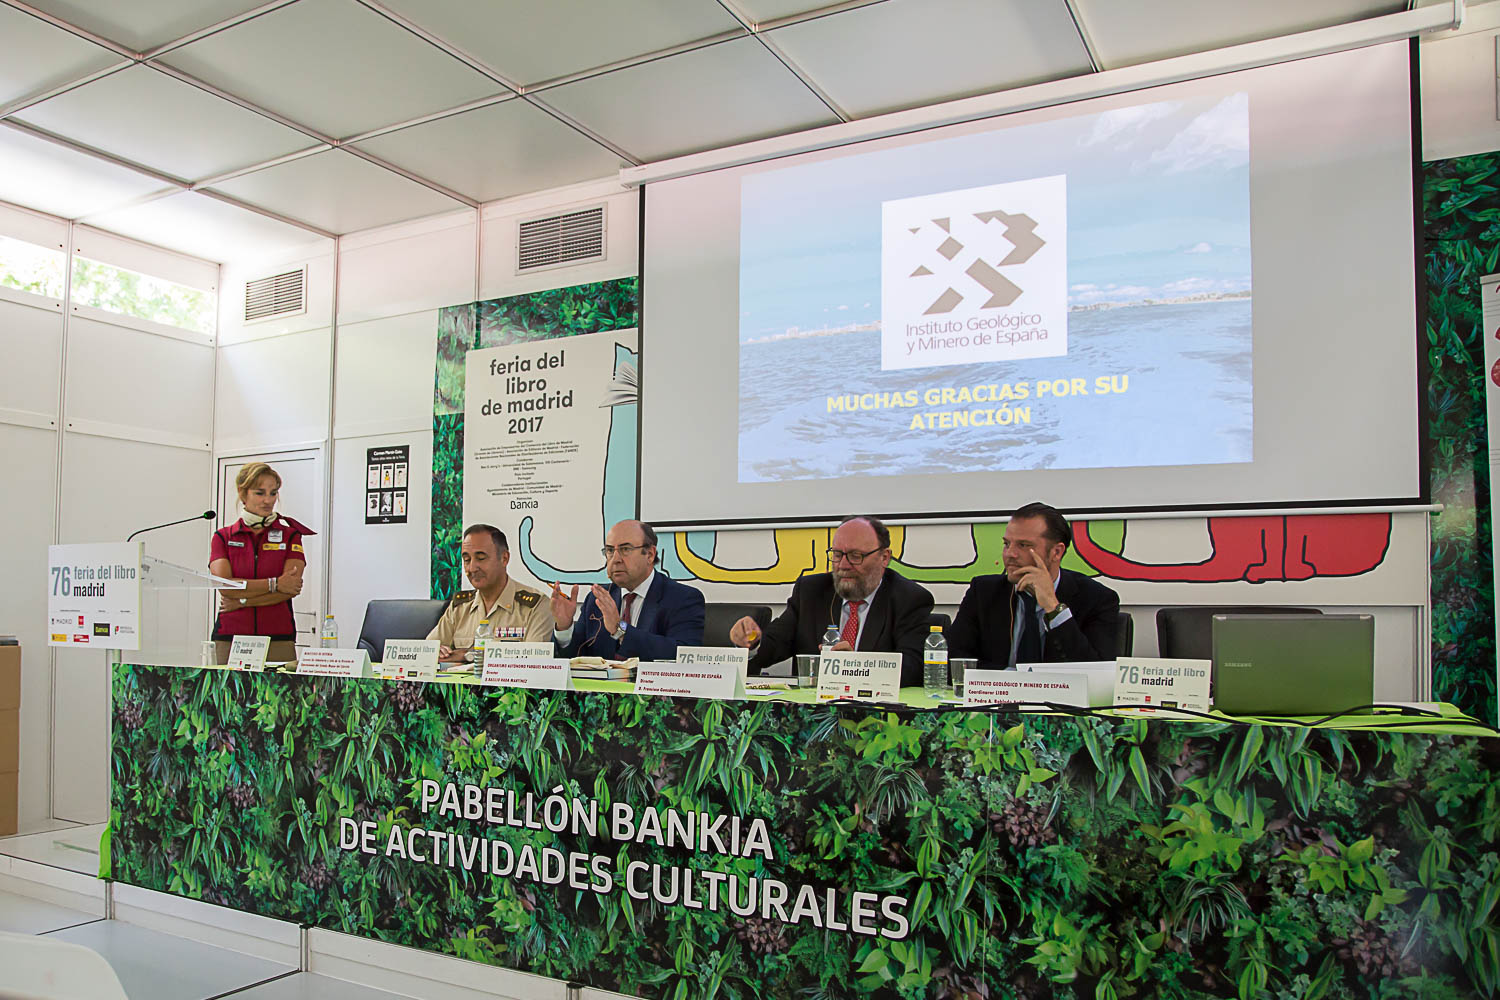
{"x": 514, "y": 612}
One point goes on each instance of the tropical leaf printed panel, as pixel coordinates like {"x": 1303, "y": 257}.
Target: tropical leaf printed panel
{"x": 1041, "y": 856}
{"x": 1461, "y": 209}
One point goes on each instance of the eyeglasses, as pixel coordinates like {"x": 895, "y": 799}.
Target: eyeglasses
{"x": 624, "y": 550}
{"x": 855, "y": 558}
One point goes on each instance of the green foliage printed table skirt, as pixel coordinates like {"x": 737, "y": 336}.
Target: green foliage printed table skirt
{"x": 1037, "y": 856}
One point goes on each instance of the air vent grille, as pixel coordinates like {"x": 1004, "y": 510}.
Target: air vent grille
{"x": 561, "y": 239}
{"x": 276, "y": 295}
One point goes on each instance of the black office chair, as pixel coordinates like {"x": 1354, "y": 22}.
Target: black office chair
{"x": 1188, "y": 633}
{"x": 718, "y": 619}
{"x": 1125, "y": 635}
{"x": 405, "y": 619}
{"x": 939, "y": 619}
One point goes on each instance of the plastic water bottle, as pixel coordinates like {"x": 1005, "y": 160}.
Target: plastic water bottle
{"x": 830, "y": 638}
{"x": 328, "y": 635}
{"x": 935, "y": 663}
{"x": 483, "y": 635}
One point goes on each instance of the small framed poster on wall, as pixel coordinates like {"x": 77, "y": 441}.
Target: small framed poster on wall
{"x": 386, "y": 471}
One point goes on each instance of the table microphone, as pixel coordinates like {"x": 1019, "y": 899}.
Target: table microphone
{"x": 207, "y": 515}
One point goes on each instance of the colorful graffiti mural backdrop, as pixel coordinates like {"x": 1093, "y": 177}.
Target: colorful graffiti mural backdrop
{"x": 1333, "y": 560}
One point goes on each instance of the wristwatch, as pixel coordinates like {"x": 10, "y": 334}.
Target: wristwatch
{"x": 619, "y": 633}
{"x": 1050, "y": 615}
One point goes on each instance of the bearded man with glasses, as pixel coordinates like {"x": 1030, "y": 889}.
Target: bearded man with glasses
{"x": 875, "y": 609}
{"x": 641, "y": 613}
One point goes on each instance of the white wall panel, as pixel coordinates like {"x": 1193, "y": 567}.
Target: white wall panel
{"x": 111, "y": 488}
{"x": 497, "y": 273}
{"x": 33, "y": 227}
{"x": 403, "y": 269}
{"x": 272, "y": 392}
{"x": 378, "y": 561}
{"x": 31, "y": 343}
{"x": 133, "y": 255}
{"x": 385, "y": 373}
{"x": 1458, "y": 87}
{"x": 29, "y": 505}
{"x": 134, "y": 379}
{"x": 319, "y": 315}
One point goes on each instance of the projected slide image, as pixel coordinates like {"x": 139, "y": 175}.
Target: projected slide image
{"x": 1067, "y": 294}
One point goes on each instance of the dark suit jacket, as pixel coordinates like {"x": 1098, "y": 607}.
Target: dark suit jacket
{"x": 672, "y": 616}
{"x": 896, "y": 623}
{"x": 981, "y": 629}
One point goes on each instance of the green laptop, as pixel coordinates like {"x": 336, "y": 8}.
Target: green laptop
{"x": 1293, "y": 664}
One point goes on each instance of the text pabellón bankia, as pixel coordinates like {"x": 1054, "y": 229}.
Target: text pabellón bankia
{"x": 837, "y": 909}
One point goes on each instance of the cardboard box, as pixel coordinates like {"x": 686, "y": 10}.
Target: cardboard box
{"x": 10, "y": 802}
{"x": 10, "y": 740}
{"x": 10, "y": 678}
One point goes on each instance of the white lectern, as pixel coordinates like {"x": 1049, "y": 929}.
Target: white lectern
{"x": 113, "y": 596}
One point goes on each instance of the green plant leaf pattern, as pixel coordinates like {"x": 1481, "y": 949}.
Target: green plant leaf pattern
{"x": 1039, "y": 856}
{"x": 1461, "y": 208}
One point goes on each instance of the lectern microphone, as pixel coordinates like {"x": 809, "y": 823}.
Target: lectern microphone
{"x": 207, "y": 515}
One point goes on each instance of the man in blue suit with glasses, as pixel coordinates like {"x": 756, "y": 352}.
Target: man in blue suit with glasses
{"x": 641, "y": 613}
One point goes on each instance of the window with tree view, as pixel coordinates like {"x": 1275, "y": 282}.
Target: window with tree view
{"x": 31, "y": 268}
{"x": 130, "y": 293}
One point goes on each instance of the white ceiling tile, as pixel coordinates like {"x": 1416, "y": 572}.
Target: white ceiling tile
{"x": 337, "y": 191}
{"x": 35, "y": 56}
{"x": 531, "y": 42}
{"x": 710, "y": 97}
{"x": 202, "y": 226}
{"x": 51, "y": 178}
{"x": 944, "y": 49}
{"x": 496, "y": 152}
{"x": 144, "y": 24}
{"x": 761, "y": 11}
{"x": 1125, "y": 34}
{"x": 152, "y": 119}
{"x": 333, "y": 65}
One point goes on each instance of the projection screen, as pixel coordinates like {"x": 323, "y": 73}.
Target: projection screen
{"x": 1202, "y": 294}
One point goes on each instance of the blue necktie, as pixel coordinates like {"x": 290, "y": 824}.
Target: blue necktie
{"x": 1026, "y": 641}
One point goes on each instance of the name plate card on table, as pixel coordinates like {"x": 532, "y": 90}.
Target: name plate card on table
{"x": 505, "y": 651}
{"x": 411, "y": 659}
{"x": 248, "y": 652}
{"x": 334, "y": 663}
{"x": 698, "y": 672}
{"x": 1161, "y": 684}
{"x": 1099, "y": 678}
{"x": 1008, "y": 687}
{"x": 539, "y": 673}
{"x": 860, "y": 677}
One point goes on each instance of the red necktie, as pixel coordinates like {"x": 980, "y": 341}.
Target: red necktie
{"x": 629, "y": 601}
{"x": 851, "y": 627}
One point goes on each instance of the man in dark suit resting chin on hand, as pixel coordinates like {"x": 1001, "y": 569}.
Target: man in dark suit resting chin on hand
{"x": 641, "y": 613}
{"x": 875, "y": 609}
{"x": 1037, "y": 611}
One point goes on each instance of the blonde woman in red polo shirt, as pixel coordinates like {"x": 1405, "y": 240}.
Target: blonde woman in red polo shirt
{"x": 263, "y": 551}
